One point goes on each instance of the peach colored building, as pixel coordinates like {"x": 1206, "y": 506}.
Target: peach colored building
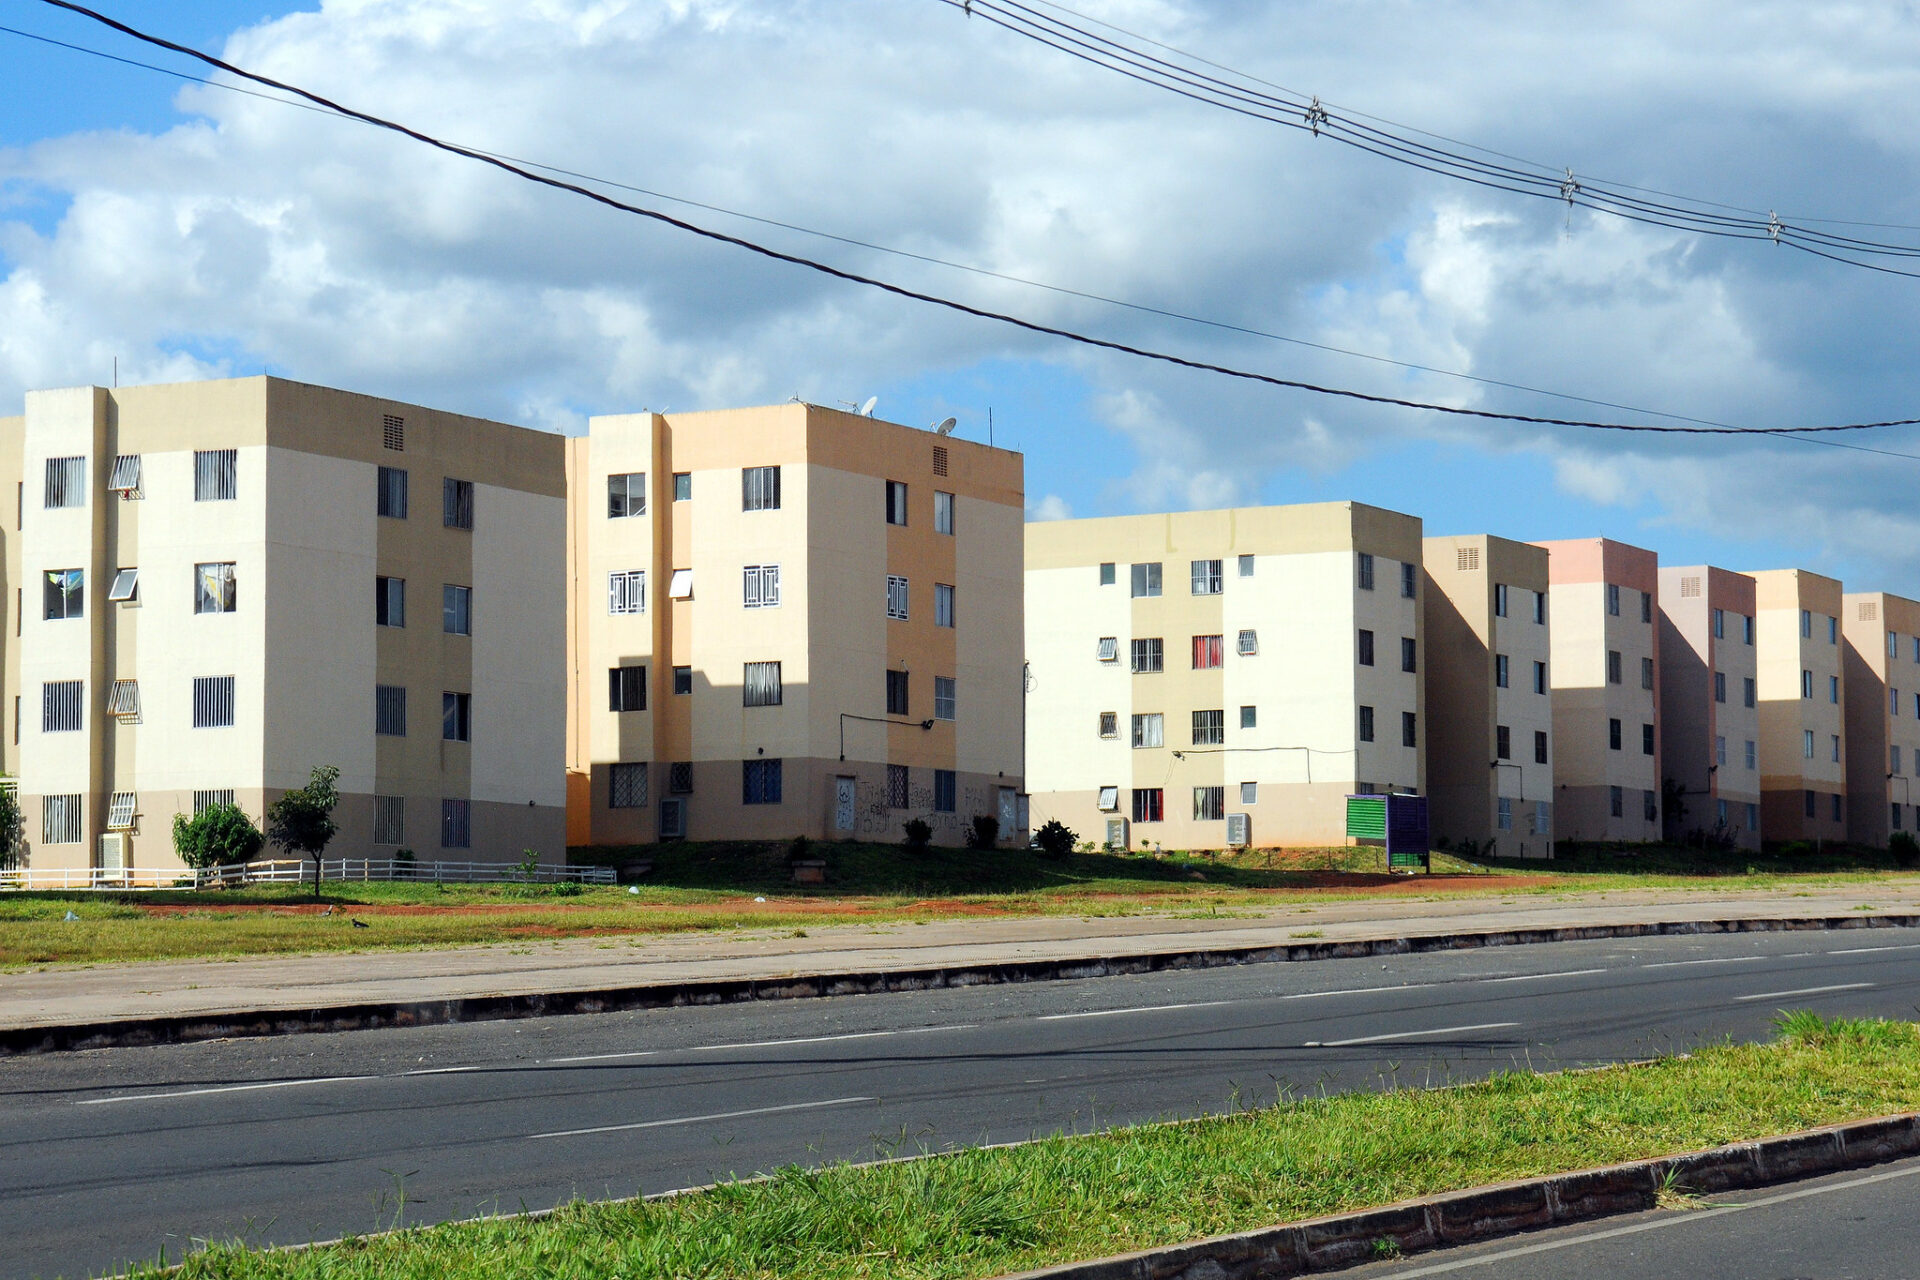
{"x": 790, "y": 621}
{"x": 1880, "y": 650}
{"x": 1489, "y": 713}
{"x": 1709, "y": 704}
{"x": 1803, "y": 769}
{"x": 1606, "y": 690}
{"x": 1204, "y": 678}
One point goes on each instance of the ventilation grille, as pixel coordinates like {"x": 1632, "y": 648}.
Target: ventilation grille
{"x": 1689, "y": 588}
{"x": 394, "y": 433}
{"x": 939, "y": 459}
{"x": 1466, "y": 559}
{"x": 1869, "y": 611}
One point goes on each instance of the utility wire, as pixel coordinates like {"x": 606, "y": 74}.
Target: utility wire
{"x": 934, "y": 299}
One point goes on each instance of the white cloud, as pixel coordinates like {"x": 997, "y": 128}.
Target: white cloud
{"x": 1050, "y": 507}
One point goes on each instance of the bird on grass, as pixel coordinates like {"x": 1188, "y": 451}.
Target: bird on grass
{"x": 359, "y": 924}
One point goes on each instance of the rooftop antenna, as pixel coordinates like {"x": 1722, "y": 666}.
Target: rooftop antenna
{"x": 945, "y": 427}
{"x": 989, "y": 426}
{"x": 866, "y": 410}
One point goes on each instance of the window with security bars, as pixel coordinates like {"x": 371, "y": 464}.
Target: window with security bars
{"x": 760, "y": 782}
{"x": 1249, "y": 643}
{"x": 626, "y": 495}
{"x": 1209, "y": 804}
{"x": 216, "y": 475}
{"x": 1108, "y": 800}
{"x": 1149, "y": 656}
{"x": 456, "y": 503}
{"x": 66, "y": 482}
{"x": 64, "y": 594}
{"x": 896, "y": 597}
{"x": 1206, "y": 577}
{"x": 120, "y": 811}
{"x": 680, "y": 778}
{"x": 627, "y": 786}
{"x": 627, "y": 688}
{"x": 897, "y": 693}
{"x": 899, "y": 786}
{"x": 1149, "y": 730}
{"x": 60, "y": 820}
{"x": 939, "y": 459}
{"x": 392, "y": 493}
{"x": 896, "y": 502}
{"x": 214, "y": 588}
{"x": 456, "y": 824}
{"x": 1109, "y": 649}
{"x": 126, "y": 586}
{"x": 390, "y": 710}
{"x": 760, "y": 685}
{"x": 945, "y": 791}
{"x": 1209, "y": 728}
{"x": 124, "y": 701}
{"x": 760, "y": 586}
{"x": 456, "y": 716}
{"x": 393, "y": 432}
{"x": 390, "y": 602}
{"x": 627, "y": 591}
{"x": 1208, "y": 652}
{"x": 1148, "y": 804}
{"x": 943, "y": 697}
{"x": 60, "y": 706}
{"x": 1109, "y": 724}
{"x": 942, "y": 512}
{"x": 390, "y": 820}
{"x": 1146, "y": 580}
{"x": 211, "y": 799}
{"x": 760, "y": 488}
{"x": 125, "y": 477}
{"x": 212, "y": 702}
{"x": 942, "y": 604}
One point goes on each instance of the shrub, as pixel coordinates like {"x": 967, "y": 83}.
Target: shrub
{"x": 218, "y": 835}
{"x": 1056, "y": 840}
{"x": 1904, "y": 848}
{"x": 985, "y": 832}
{"x": 918, "y": 833}
{"x": 800, "y": 850}
{"x": 10, "y": 829}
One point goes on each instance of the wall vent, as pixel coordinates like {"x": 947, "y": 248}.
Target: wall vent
{"x": 1466, "y": 559}
{"x": 1689, "y": 588}
{"x": 939, "y": 459}
{"x": 1869, "y": 611}
{"x": 394, "y": 433}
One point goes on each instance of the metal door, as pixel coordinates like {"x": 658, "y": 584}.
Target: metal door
{"x": 843, "y": 804}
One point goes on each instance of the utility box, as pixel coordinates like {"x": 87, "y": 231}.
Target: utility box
{"x": 1239, "y": 831}
{"x": 1397, "y": 821}
{"x": 1116, "y": 835}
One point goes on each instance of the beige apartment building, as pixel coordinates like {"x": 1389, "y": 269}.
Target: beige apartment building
{"x": 791, "y": 621}
{"x": 1803, "y": 769}
{"x": 1207, "y": 678}
{"x": 1606, "y": 690}
{"x": 1709, "y": 703}
{"x": 218, "y": 586}
{"x": 1880, "y": 655}
{"x": 1484, "y": 622}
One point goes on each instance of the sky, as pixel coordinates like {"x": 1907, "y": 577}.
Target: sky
{"x": 180, "y": 231}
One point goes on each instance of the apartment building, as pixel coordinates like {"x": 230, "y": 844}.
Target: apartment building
{"x": 788, "y": 621}
{"x": 1803, "y": 769}
{"x": 1489, "y": 704}
{"x": 218, "y": 586}
{"x": 1709, "y": 703}
{"x": 1880, "y": 679}
{"x": 1207, "y": 678}
{"x": 1606, "y": 690}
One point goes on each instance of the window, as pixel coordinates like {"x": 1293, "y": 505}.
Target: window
{"x": 456, "y": 824}
{"x": 1409, "y": 652}
{"x": 1720, "y": 812}
{"x": 1646, "y": 739}
{"x": 392, "y": 499}
{"x": 760, "y": 586}
{"x": 1613, "y": 666}
{"x": 945, "y": 797}
{"x": 897, "y": 693}
{"x": 1500, "y": 677}
{"x": 1365, "y": 647}
{"x": 943, "y": 513}
{"x": 456, "y": 610}
{"x": 1147, "y": 804}
{"x": 1209, "y": 804}
{"x": 680, "y": 585}
{"x": 626, "y": 495}
{"x": 1502, "y": 742}
{"x": 213, "y": 702}
{"x": 1646, "y": 673}
{"x": 896, "y": 597}
{"x": 1106, "y": 574}
{"x": 1109, "y": 724}
{"x": 1504, "y": 811}
{"x": 1749, "y": 692}
{"x": 683, "y": 486}
{"x": 1148, "y": 656}
{"x": 627, "y": 786}
{"x": 1806, "y": 683}
{"x": 1249, "y": 643}
{"x": 1833, "y": 630}
{"x": 60, "y": 820}
{"x": 390, "y": 710}
{"x": 896, "y": 502}
{"x": 126, "y": 586}
{"x": 1363, "y": 570}
{"x": 1539, "y": 746}
{"x": 1893, "y": 702}
{"x": 389, "y": 819}
{"x": 680, "y": 778}
{"x": 1719, "y": 624}
{"x": 1837, "y": 811}
{"x": 125, "y": 477}
{"x": 1833, "y": 690}
{"x": 760, "y": 779}
{"x": 1366, "y": 724}
{"x": 1149, "y": 730}
{"x": 1896, "y": 815}
{"x": 456, "y": 717}
{"x": 1209, "y": 728}
{"x": 1746, "y": 622}
{"x": 393, "y": 432}
{"x": 1806, "y": 744}
{"x": 682, "y": 680}
{"x": 1719, "y": 686}
{"x": 942, "y": 604}
{"x": 123, "y": 700}
{"x": 390, "y": 602}
{"x": 899, "y": 786}
{"x": 1109, "y": 650}
{"x": 1616, "y": 802}
{"x": 1249, "y": 717}
{"x": 627, "y": 591}
{"x": 1109, "y": 800}
{"x": 1646, "y": 610}
{"x": 760, "y": 685}
{"x": 627, "y": 688}
{"x": 60, "y": 703}
{"x": 1811, "y": 811}
{"x": 1613, "y": 601}
{"x": 1753, "y": 817}
{"x": 1206, "y": 578}
{"x": 1539, "y": 677}
{"x": 1806, "y": 633}
{"x": 1409, "y": 583}
{"x": 1249, "y": 793}
{"x": 1649, "y": 806}
{"x": 1208, "y": 653}
{"x": 1146, "y": 580}
{"x": 1409, "y": 729}
{"x": 1894, "y": 751}
{"x": 205, "y": 800}
{"x": 1613, "y": 735}
{"x": 65, "y": 594}
{"x": 214, "y": 590}
{"x": 1499, "y": 599}
{"x": 1836, "y": 748}
{"x": 66, "y": 482}
{"x": 1540, "y": 607}
{"x": 456, "y": 503}
{"x": 760, "y": 489}
{"x": 1246, "y": 566}
{"x": 1753, "y": 754}
{"x": 944, "y": 701}
{"x": 216, "y": 475}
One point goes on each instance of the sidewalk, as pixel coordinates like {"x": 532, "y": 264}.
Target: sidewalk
{"x": 388, "y": 987}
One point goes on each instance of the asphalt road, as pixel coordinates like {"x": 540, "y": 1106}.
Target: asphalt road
{"x": 114, "y": 1155}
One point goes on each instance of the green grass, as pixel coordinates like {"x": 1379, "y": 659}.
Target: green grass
{"x": 985, "y": 1213}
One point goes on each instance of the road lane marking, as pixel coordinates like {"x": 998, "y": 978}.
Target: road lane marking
{"x": 225, "y": 1088}
{"x": 754, "y": 1044}
{"x": 1360, "y": 991}
{"x": 1806, "y": 991}
{"x": 717, "y": 1115}
{"x": 1149, "y": 1008}
{"x": 1676, "y": 964}
{"x": 1535, "y": 977}
{"x": 1405, "y": 1035}
{"x": 1867, "y": 951}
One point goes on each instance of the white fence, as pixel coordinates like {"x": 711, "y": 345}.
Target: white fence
{"x": 293, "y": 871}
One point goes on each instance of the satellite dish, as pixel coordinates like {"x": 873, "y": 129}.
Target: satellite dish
{"x": 866, "y": 410}
{"x": 946, "y": 427}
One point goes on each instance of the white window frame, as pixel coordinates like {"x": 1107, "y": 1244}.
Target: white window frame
{"x": 626, "y": 495}
{"x": 390, "y": 598}
{"x": 680, "y": 586}
{"x": 60, "y": 819}
{"x": 1205, "y": 577}
{"x": 897, "y": 597}
{"x": 1249, "y": 793}
{"x": 945, "y": 697}
{"x": 760, "y": 586}
{"x": 1109, "y": 800}
{"x": 1109, "y": 650}
{"x": 66, "y": 483}
{"x": 63, "y": 706}
{"x": 215, "y": 587}
{"x": 942, "y": 512}
{"x": 1149, "y": 730}
{"x": 120, "y": 811}
{"x": 1249, "y": 643}
{"x": 213, "y": 699}
{"x": 943, "y": 604}
{"x": 124, "y": 701}
{"x": 125, "y": 588}
{"x": 760, "y": 488}
{"x": 626, "y": 591}
{"x": 125, "y": 477}
{"x": 456, "y": 609}
{"x": 216, "y": 475}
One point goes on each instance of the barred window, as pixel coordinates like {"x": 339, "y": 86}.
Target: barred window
{"x": 1147, "y": 804}
{"x": 760, "y": 782}
{"x": 1109, "y": 724}
{"x": 944, "y": 791}
{"x": 896, "y": 597}
{"x": 214, "y": 588}
{"x": 212, "y": 702}
{"x": 627, "y": 495}
{"x": 124, "y": 701}
{"x": 627, "y": 688}
{"x": 456, "y": 824}
{"x": 1149, "y": 730}
{"x": 1208, "y": 652}
{"x": 390, "y": 602}
{"x": 60, "y": 706}
{"x": 1149, "y": 656}
{"x": 389, "y": 819}
{"x": 760, "y": 488}
{"x": 215, "y": 798}
{"x": 1209, "y": 728}
{"x": 760, "y": 586}
{"x": 899, "y": 786}
{"x": 65, "y": 594}
{"x": 1109, "y": 799}
{"x": 120, "y": 810}
{"x": 1209, "y": 804}
{"x": 216, "y": 475}
{"x": 1249, "y": 643}
{"x": 1109, "y": 649}
{"x": 627, "y": 591}
{"x": 680, "y": 777}
{"x": 393, "y": 493}
{"x": 60, "y": 820}
{"x": 943, "y": 697}
{"x": 760, "y": 685}
{"x": 126, "y": 475}
{"x": 627, "y": 786}
{"x": 1363, "y": 570}
{"x": 1206, "y": 577}
{"x": 456, "y": 503}
{"x": 456, "y": 717}
{"x": 390, "y": 710}
{"x": 66, "y": 482}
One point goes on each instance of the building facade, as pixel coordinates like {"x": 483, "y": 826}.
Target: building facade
{"x": 219, "y": 586}
{"x": 1488, "y": 687}
{"x": 1803, "y": 770}
{"x": 791, "y": 621}
{"x": 1606, "y": 690}
{"x": 1213, "y": 677}
{"x": 1880, "y": 653}
{"x": 1709, "y": 704}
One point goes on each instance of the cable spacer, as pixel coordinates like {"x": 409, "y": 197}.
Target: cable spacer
{"x": 1317, "y": 116}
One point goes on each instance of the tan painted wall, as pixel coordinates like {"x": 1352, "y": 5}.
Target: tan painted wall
{"x": 1882, "y": 713}
{"x": 12, "y": 458}
{"x": 1691, "y": 721}
{"x": 1786, "y": 772}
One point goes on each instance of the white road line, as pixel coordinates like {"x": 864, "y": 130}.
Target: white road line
{"x": 1535, "y": 977}
{"x": 755, "y": 1044}
{"x": 1405, "y": 1035}
{"x": 1677, "y": 964}
{"x": 225, "y": 1088}
{"x": 1150, "y": 1008}
{"x": 1360, "y": 991}
{"x": 718, "y": 1115}
{"x": 1867, "y": 951}
{"x": 1656, "y": 1224}
{"x": 1806, "y": 991}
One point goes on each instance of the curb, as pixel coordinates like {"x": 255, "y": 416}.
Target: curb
{"x": 183, "y": 1028}
{"x": 1504, "y": 1209}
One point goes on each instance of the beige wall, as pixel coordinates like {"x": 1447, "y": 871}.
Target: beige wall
{"x": 1881, "y": 655}
{"x": 1694, "y": 726}
{"x": 1787, "y": 773}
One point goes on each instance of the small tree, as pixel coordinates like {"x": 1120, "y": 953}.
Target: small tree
{"x": 9, "y": 829}
{"x": 985, "y": 832}
{"x": 218, "y": 835}
{"x": 1056, "y": 839}
{"x": 301, "y": 821}
{"x": 917, "y": 833}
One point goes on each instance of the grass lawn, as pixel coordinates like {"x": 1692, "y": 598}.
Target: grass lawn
{"x": 985, "y": 1213}
{"x": 713, "y": 886}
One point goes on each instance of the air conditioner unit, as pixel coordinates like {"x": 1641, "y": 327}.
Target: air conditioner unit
{"x": 1116, "y": 834}
{"x": 1238, "y": 831}
{"x": 112, "y": 863}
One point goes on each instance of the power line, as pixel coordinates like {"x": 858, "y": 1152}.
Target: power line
{"x": 935, "y": 299}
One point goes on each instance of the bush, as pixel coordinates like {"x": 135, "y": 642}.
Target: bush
{"x": 217, "y": 836}
{"x": 800, "y": 850}
{"x": 1056, "y": 840}
{"x": 1904, "y": 848}
{"x": 918, "y": 833}
{"x": 10, "y": 829}
{"x": 985, "y": 832}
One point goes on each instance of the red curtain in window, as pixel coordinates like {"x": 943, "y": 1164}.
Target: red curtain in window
{"x": 1207, "y": 652}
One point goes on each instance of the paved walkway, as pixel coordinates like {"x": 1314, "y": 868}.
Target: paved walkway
{"x": 75, "y": 996}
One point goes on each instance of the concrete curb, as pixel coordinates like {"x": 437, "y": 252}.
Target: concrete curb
{"x": 182, "y": 1028}
{"x": 1508, "y": 1208}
